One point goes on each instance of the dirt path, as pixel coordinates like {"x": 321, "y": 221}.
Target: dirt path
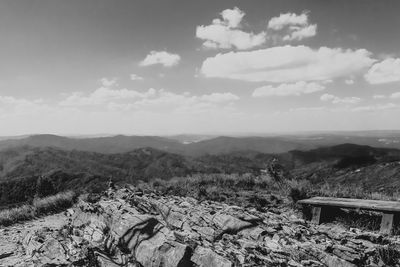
{"x": 11, "y": 251}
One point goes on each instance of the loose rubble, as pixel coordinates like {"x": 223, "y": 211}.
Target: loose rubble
{"x": 129, "y": 228}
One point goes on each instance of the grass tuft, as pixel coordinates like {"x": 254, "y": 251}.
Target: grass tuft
{"x": 42, "y": 206}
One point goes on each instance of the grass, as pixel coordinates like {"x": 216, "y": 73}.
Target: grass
{"x": 244, "y": 190}
{"x": 220, "y": 187}
{"x": 301, "y": 189}
{"x": 42, "y": 206}
{"x": 389, "y": 255}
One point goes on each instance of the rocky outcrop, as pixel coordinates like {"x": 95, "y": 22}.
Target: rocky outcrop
{"x": 130, "y": 228}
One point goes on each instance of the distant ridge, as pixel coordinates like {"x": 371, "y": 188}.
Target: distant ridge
{"x": 197, "y": 145}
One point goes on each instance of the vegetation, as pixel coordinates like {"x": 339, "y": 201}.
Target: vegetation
{"x": 39, "y": 207}
{"x": 244, "y": 190}
{"x": 389, "y": 255}
{"x": 245, "y": 178}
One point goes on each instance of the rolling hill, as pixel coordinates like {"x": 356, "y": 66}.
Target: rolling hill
{"x": 365, "y": 167}
{"x": 198, "y": 145}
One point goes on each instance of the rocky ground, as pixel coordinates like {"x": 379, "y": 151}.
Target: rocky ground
{"x": 127, "y": 227}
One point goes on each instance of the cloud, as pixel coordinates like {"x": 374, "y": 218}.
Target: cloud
{"x": 227, "y": 34}
{"x": 186, "y": 102}
{"x": 103, "y": 95}
{"x": 376, "y": 107}
{"x": 378, "y": 96}
{"x": 337, "y": 100}
{"x": 108, "y": 82}
{"x": 220, "y": 97}
{"x": 288, "y": 89}
{"x": 385, "y": 71}
{"x": 164, "y": 112}
{"x": 299, "y": 33}
{"x": 232, "y": 17}
{"x": 135, "y": 77}
{"x": 152, "y": 100}
{"x": 161, "y": 57}
{"x": 349, "y": 81}
{"x": 10, "y": 100}
{"x": 287, "y": 64}
{"x": 278, "y": 23}
{"x": 296, "y": 26}
{"x": 395, "y": 95}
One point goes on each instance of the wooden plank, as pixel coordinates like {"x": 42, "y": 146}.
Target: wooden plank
{"x": 377, "y": 205}
{"x": 316, "y": 215}
{"x": 387, "y": 223}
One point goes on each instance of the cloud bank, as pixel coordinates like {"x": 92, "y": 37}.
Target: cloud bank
{"x": 287, "y": 64}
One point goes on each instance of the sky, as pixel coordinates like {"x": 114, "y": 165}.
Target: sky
{"x": 180, "y": 66}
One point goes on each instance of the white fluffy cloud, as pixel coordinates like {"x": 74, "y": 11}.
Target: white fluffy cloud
{"x": 287, "y": 64}
{"x": 278, "y": 23}
{"x": 108, "y": 82}
{"x": 338, "y": 100}
{"x": 232, "y": 17}
{"x": 296, "y": 26}
{"x": 385, "y": 71}
{"x": 288, "y": 89}
{"x": 161, "y": 57}
{"x": 378, "y": 96}
{"x": 299, "y": 33}
{"x": 226, "y": 33}
{"x": 135, "y": 77}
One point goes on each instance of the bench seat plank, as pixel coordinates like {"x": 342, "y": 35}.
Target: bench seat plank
{"x": 365, "y": 204}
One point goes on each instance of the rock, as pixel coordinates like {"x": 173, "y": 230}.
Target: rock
{"x": 205, "y": 257}
{"x": 229, "y": 223}
{"x": 124, "y": 228}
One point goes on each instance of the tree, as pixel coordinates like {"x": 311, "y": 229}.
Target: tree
{"x": 44, "y": 187}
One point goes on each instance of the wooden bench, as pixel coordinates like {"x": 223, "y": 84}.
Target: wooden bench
{"x": 325, "y": 207}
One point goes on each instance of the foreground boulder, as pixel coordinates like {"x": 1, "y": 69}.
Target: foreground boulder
{"x": 129, "y": 228}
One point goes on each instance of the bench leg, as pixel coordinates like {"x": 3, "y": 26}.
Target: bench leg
{"x": 387, "y": 223}
{"x": 316, "y": 215}
{"x": 324, "y": 214}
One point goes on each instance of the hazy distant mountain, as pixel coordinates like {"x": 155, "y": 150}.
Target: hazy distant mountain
{"x": 225, "y": 144}
{"x": 196, "y": 145}
{"x": 190, "y": 138}
{"x": 112, "y": 144}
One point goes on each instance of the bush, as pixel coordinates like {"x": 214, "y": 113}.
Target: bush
{"x": 299, "y": 190}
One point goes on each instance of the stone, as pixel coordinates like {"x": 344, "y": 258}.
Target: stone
{"x": 124, "y": 228}
{"x": 205, "y": 257}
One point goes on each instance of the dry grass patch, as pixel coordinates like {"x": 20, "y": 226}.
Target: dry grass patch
{"x": 41, "y": 206}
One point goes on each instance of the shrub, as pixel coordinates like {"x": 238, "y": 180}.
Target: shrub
{"x": 299, "y": 190}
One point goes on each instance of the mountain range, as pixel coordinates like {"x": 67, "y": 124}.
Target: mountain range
{"x": 197, "y": 145}
{"x": 360, "y": 160}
